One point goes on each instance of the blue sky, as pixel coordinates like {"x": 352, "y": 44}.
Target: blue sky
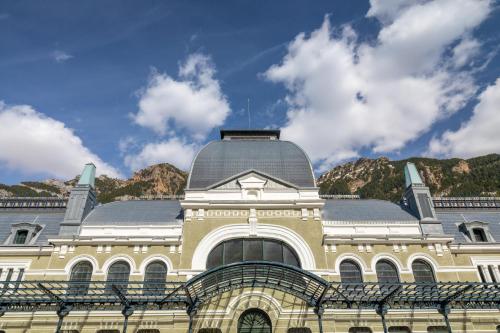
{"x": 129, "y": 83}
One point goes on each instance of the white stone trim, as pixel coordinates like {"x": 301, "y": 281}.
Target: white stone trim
{"x": 119, "y": 257}
{"x": 422, "y": 256}
{"x": 274, "y": 304}
{"x": 351, "y": 256}
{"x": 290, "y": 237}
{"x": 156, "y": 257}
{"x": 391, "y": 258}
{"x": 83, "y": 257}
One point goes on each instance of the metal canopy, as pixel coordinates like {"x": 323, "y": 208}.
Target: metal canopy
{"x": 63, "y": 296}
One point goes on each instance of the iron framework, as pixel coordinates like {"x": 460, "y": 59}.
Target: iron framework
{"x": 64, "y": 296}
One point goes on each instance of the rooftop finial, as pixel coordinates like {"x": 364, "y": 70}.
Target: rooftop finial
{"x": 412, "y": 177}
{"x": 88, "y": 175}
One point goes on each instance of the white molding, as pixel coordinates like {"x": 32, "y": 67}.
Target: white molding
{"x": 425, "y": 257}
{"x": 365, "y": 269}
{"x": 290, "y": 237}
{"x": 274, "y": 304}
{"x": 118, "y": 257}
{"x": 391, "y": 258}
{"x": 83, "y": 257}
{"x": 157, "y": 257}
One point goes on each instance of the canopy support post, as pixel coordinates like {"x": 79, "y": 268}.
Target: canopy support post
{"x": 382, "y": 311}
{"x": 444, "y": 309}
{"x": 191, "y": 311}
{"x": 319, "y": 312}
{"x": 127, "y": 310}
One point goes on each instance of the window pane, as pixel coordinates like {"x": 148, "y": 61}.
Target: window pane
{"x": 215, "y": 257}
{"x": 148, "y": 330}
{"x": 386, "y": 272}
{"x": 350, "y": 272}
{"x": 289, "y": 257}
{"x": 252, "y": 248}
{"x": 422, "y": 272}
{"x": 479, "y": 235}
{"x": 21, "y": 236}
{"x": 118, "y": 275}
{"x": 155, "y": 278}
{"x": 80, "y": 277}
{"x": 437, "y": 329}
{"x": 233, "y": 251}
{"x": 273, "y": 251}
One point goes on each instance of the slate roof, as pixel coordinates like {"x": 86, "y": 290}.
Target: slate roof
{"x": 452, "y": 220}
{"x": 48, "y": 220}
{"x": 365, "y": 210}
{"x": 220, "y": 160}
{"x": 136, "y": 212}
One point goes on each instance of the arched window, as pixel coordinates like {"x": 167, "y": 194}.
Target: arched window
{"x": 80, "y": 277}
{"x": 248, "y": 249}
{"x": 155, "y": 277}
{"x": 360, "y": 330}
{"x": 350, "y": 272}
{"x": 254, "y": 320}
{"x": 387, "y": 272}
{"x": 299, "y": 330}
{"x": 422, "y": 272}
{"x": 118, "y": 275}
{"x": 399, "y": 329}
{"x": 21, "y": 237}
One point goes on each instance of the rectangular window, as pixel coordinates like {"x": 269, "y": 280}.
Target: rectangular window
{"x": 21, "y": 236}
{"x": 8, "y": 278}
{"x": 479, "y": 235}
{"x": 481, "y": 274}
{"x": 492, "y": 274}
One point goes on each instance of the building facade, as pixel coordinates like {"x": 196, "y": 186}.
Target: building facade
{"x": 252, "y": 247}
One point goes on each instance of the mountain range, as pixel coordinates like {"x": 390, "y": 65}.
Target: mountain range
{"x": 378, "y": 178}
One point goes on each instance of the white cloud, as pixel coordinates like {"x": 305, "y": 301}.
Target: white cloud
{"x": 194, "y": 102}
{"x": 61, "y": 56}
{"x": 479, "y": 135}
{"x": 345, "y": 95}
{"x": 464, "y": 51}
{"x": 36, "y": 144}
{"x": 173, "y": 151}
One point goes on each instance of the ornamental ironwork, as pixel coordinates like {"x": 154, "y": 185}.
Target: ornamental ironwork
{"x": 60, "y": 296}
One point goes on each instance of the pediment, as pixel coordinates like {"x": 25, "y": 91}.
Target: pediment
{"x": 252, "y": 179}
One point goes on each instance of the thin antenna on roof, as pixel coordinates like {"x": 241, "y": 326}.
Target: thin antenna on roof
{"x": 248, "y": 110}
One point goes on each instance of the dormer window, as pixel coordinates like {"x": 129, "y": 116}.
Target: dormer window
{"x": 479, "y": 235}
{"x": 20, "y": 237}
{"x": 23, "y": 234}
{"x": 476, "y": 231}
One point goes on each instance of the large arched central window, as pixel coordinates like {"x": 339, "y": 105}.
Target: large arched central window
{"x": 248, "y": 249}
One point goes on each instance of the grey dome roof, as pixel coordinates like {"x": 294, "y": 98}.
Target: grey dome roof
{"x": 220, "y": 160}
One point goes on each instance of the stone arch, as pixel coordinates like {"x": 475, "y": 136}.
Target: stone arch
{"x": 288, "y": 236}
